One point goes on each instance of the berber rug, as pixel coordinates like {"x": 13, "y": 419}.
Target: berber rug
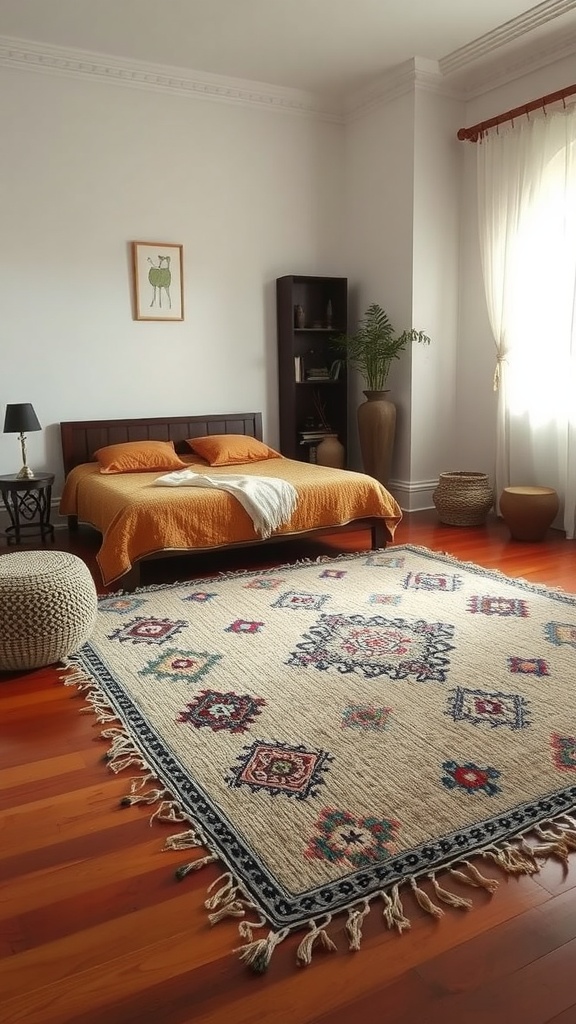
{"x": 336, "y": 733}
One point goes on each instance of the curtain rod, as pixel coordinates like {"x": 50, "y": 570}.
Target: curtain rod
{"x": 477, "y": 130}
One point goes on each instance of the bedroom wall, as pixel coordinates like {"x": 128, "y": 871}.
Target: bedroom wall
{"x": 251, "y": 194}
{"x": 403, "y": 205}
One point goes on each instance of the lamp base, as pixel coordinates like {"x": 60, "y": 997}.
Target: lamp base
{"x": 25, "y": 473}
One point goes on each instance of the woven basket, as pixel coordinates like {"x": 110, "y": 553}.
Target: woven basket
{"x": 463, "y": 499}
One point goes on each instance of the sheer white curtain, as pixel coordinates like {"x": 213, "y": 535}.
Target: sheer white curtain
{"x": 527, "y": 226}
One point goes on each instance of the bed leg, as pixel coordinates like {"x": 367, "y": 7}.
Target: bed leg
{"x": 72, "y": 523}
{"x": 378, "y": 536}
{"x": 130, "y": 580}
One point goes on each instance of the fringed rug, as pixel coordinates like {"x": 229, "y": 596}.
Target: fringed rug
{"x": 338, "y": 732}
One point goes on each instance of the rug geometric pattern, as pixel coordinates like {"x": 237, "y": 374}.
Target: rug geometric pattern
{"x": 334, "y": 730}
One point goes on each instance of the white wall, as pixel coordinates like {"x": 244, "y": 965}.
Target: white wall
{"x": 431, "y": 394}
{"x": 402, "y": 174}
{"x": 379, "y": 209}
{"x": 87, "y": 167}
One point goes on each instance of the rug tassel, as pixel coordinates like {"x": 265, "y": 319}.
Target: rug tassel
{"x": 394, "y": 911}
{"x": 169, "y": 810}
{"x": 475, "y": 878}
{"x": 143, "y": 798}
{"x": 514, "y": 861}
{"x": 245, "y": 928}
{"x": 354, "y": 925}
{"x": 183, "y": 840}
{"x": 233, "y": 908}
{"x": 567, "y": 836}
{"x": 450, "y": 897}
{"x": 304, "y": 951}
{"x": 424, "y": 900}
{"x": 194, "y": 865}
{"x": 224, "y": 893}
{"x": 257, "y": 954}
{"x": 556, "y": 849}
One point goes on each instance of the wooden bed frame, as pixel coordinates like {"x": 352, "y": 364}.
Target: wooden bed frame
{"x": 81, "y": 438}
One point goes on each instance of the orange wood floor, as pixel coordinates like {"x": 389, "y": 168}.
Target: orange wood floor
{"x": 95, "y": 929}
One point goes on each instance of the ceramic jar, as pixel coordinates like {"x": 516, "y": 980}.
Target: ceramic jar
{"x": 331, "y": 452}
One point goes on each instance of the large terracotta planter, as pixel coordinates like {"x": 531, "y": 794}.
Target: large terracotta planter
{"x": 376, "y": 430}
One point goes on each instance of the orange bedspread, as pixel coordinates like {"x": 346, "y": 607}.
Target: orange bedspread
{"x": 137, "y": 519}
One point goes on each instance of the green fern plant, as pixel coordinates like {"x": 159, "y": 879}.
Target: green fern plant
{"x": 374, "y": 345}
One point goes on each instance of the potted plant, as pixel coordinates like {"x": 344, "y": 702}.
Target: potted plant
{"x": 374, "y": 345}
{"x": 370, "y": 350}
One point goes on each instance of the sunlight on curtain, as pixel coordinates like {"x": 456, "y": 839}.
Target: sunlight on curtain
{"x": 527, "y": 224}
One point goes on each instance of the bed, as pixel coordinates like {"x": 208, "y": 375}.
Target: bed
{"x": 139, "y": 520}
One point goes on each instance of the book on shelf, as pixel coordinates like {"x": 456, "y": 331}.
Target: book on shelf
{"x": 298, "y": 369}
{"x": 309, "y": 436}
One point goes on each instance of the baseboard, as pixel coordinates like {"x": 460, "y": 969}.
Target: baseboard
{"x": 413, "y": 496}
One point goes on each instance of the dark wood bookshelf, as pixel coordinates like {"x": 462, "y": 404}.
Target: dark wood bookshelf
{"x": 306, "y": 404}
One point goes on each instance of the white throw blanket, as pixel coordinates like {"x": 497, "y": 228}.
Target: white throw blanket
{"x": 269, "y": 502}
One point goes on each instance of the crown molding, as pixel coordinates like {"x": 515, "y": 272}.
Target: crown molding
{"x": 417, "y": 73}
{"x": 55, "y": 60}
{"x": 505, "y": 34}
{"x": 499, "y": 73}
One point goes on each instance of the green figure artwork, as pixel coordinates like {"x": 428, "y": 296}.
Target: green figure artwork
{"x": 160, "y": 278}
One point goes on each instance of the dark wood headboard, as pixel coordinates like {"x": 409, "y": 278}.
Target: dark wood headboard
{"x": 81, "y": 438}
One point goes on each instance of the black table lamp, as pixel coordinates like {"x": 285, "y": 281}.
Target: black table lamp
{"x": 20, "y": 419}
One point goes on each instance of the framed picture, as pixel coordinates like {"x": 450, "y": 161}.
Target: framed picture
{"x": 158, "y": 284}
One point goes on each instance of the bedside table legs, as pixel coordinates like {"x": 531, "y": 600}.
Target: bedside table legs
{"x": 29, "y": 513}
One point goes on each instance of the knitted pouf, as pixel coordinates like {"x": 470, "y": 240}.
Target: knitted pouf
{"x": 48, "y": 607}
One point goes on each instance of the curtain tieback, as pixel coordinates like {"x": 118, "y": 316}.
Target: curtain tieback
{"x": 498, "y": 372}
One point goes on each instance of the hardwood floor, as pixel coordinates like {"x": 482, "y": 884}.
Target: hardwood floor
{"x": 94, "y": 927}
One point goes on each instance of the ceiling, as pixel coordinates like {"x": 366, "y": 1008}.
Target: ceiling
{"x": 329, "y": 47}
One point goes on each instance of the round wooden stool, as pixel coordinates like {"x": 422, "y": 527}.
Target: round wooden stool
{"x": 528, "y": 511}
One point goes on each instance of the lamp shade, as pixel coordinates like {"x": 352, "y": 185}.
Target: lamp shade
{"x": 20, "y": 419}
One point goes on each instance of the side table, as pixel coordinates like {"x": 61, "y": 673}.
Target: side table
{"x": 27, "y": 502}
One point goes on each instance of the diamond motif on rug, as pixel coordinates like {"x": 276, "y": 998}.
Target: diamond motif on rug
{"x": 375, "y": 646}
{"x": 148, "y": 631}
{"x": 217, "y": 711}
{"x": 497, "y": 606}
{"x": 280, "y": 769}
{"x": 342, "y": 838}
{"x": 365, "y": 716}
{"x": 494, "y": 709}
{"x": 174, "y": 664}
{"x": 338, "y": 759}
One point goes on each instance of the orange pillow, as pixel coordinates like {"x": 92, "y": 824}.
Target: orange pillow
{"x": 231, "y": 449}
{"x": 138, "y": 457}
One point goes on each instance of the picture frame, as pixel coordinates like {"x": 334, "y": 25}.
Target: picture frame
{"x": 158, "y": 280}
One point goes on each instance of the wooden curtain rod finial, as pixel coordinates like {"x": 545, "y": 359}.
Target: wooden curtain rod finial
{"x": 476, "y": 131}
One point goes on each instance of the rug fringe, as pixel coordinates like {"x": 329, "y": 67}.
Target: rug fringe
{"x": 315, "y": 931}
{"x": 257, "y": 954}
{"x": 354, "y": 924}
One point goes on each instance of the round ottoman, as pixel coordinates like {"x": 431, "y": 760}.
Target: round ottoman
{"x": 48, "y": 607}
{"x": 528, "y": 511}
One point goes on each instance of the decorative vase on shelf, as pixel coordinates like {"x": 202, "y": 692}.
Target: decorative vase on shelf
{"x": 463, "y": 499}
{"x": 331, "y": 452}
{"x": 299, "y": 317}
{"x": 376, "y": 430}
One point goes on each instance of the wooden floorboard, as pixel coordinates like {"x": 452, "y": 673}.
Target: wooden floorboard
{"x": 94, "y": 926}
